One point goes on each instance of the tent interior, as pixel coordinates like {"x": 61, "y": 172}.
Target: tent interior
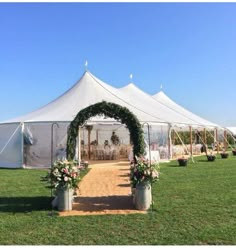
{"x": 28, "y": 141}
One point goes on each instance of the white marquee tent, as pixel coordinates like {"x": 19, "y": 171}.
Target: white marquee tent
{"x": 26, "y": 140}
{"x": 222, "y": 132}
{"x": 161, "y": 97}
{"x": 232, "y": 130}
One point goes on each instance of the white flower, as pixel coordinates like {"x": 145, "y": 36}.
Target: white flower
{"x": 74, "y": 169}
{"x": 155, "y": 173}
{"x": 65, "y": 178}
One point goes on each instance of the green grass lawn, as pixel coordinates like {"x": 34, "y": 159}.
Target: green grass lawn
{"x": 193, "y": 205}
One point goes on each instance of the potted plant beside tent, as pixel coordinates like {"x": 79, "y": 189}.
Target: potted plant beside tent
{"x": 234, "y": 151}
{"x": 64, "y": 178}
{"x": 142, "y": 175}
{"x": 224, "y": 155}
{"x": 182, "y": 161}
{"x": 211, "y": 156}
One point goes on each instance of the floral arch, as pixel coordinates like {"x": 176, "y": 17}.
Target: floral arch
{"x": 111, "y": 110}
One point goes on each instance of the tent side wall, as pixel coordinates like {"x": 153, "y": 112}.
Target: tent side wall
{"x": 37, "y": 148}
{"x": 159, "y": 140}
{"x": 11, "y": 145}
{"x": 38, "y": 141}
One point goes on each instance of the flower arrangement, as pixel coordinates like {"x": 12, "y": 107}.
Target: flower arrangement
{"x": 211, "y": 156}
{"x": 64, "y": 174}
{"x": 142, "y": 171}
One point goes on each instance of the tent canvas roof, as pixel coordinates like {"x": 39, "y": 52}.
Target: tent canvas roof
{"x": 232, "y": 130}
{"x": 89, "y": 90}
{"x": 157, "y": 108}
{"x": 161, "y": 97}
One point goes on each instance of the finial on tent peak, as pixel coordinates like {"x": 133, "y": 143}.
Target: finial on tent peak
{"x": 131, "y": 77}
{"x": 86, "y": 65}
{"x": 161, "y": 86}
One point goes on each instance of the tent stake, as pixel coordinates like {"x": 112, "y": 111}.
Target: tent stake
{"x": 184, "y": 145}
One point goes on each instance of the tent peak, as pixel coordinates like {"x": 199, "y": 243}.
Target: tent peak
{"x": 161, "y": 97}
{"x": 160, "y": 93}
{"x": 130, "y": 86}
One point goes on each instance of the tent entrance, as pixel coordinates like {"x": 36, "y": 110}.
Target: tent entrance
{"x": 104, "y": 142}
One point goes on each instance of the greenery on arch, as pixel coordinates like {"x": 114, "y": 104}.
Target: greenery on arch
{"x": 111, "y": 110}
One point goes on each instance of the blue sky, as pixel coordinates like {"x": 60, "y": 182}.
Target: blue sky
{"x": 189, "y": 48}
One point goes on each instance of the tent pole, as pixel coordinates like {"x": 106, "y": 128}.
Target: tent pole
{"x": 205, "y": 139}
{"x": 169, "y": 143}
{"x": 22, "y": 145}
{"x": 97, "y": 136}
{"x": 83, "y": 154}
{"x": 89, "y": 148}
{"x": 217, "y": 141}
{"x": 173, "y": 136}
{"x": 225, "y": 140}
{"x": 202, "y": 140}
{"x": 54, "y": 123}
{"x": 149, "y": 143}
{"x": 184, "y": 145}
{"x": 214, "y": 135}
{"x": 191, "y": 140}
{"x": 89, "y": 128}
{"x": 76, "y": 149}
{"x": 79, "y": 147}
{"x": 231, "y": 135}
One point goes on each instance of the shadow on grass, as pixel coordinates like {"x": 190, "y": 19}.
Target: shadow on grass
{"x": 24, "y": 204}
{"x": 5, "y": 168}
{"x": 207, "y": 160}
{"x": 203, "y": 161}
